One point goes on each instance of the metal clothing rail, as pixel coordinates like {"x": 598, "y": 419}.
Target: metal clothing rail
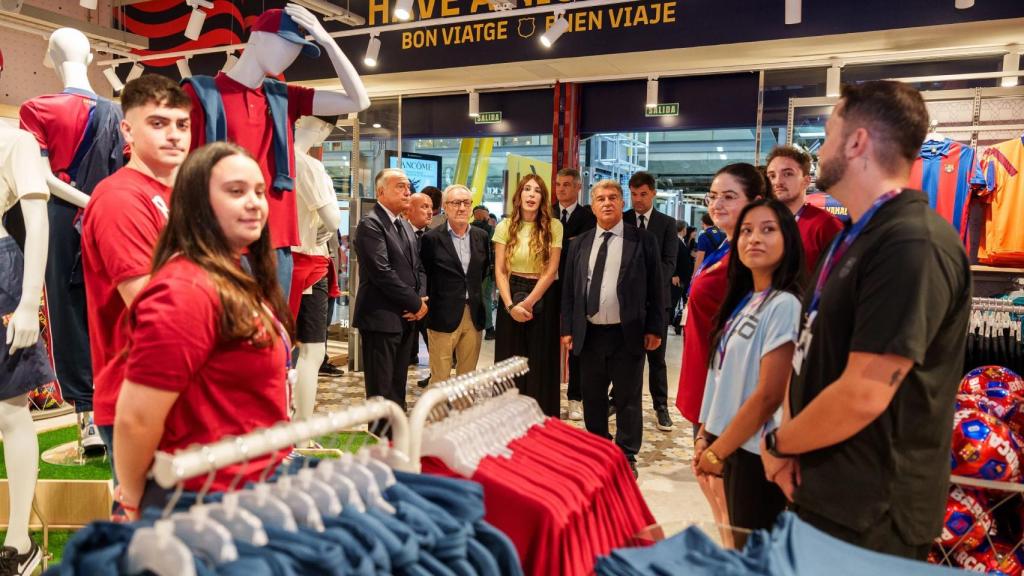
{"x": 171, "y": 469}
{"x": 995, "y": 305}
{"x": 459, "y": 393}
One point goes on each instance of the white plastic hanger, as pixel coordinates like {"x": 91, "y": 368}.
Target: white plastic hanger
{"x": 265, "y": 505}
{"x": 243, "y": 525}
{"x": 156, "y": 550}
{"x": 301, "y": 504}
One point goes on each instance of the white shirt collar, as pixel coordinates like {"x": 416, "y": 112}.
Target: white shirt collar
{"x": 617, "y": 229}
{"x": 570, "y": 208}
{"x": 454, "y": 233}
{"x": 646, "y": 215}
{"x": 391, "y": 215}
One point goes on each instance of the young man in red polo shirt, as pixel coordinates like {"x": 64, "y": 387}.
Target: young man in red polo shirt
{"x": 123, "y": 221}
{"x": 789, "y": 171}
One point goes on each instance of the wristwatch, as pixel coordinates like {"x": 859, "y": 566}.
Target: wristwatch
{"x": 770, "y": 443}
{"x": 711, "y": 457}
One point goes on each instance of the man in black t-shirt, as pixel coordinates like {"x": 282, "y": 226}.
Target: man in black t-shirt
{"x": 864, "y": 448}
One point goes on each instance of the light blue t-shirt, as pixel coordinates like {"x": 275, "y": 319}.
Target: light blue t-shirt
{"x": 762, "y": 326}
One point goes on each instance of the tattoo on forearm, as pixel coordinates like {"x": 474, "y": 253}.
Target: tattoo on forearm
{"x": 897, "y": 377}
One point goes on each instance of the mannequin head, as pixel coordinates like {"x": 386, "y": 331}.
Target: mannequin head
{"x": 311, "y": 131}
{"x": 275, "y": 42}
{"x": 70, "y": 54}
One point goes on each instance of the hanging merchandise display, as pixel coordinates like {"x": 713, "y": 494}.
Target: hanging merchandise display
{"x": 946, "y": 170}
{"x": 1002, "y": 243}
{"x": 562, "y": 495}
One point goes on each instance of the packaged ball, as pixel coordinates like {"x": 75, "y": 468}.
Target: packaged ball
{"x": 979, "y": 380}
{"x": 984, "y": 447}
{"x": 1005, "y": 407}
{"x": 997, "y": 558}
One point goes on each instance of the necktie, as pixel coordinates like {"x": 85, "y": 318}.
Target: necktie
{"x": 403, "y": 242}
{"x": 643, "y": 222}
{"x": 565, "y": 215}
{"x": 594, "y": 296}
{"x": 419, "y": 234}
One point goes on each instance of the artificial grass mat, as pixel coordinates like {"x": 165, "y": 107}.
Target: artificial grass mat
{"x": 95, "y": 467}
{"x": 58, "y": 538}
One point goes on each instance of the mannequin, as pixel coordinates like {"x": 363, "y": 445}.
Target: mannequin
{"x": 21, "y": 180}
{"x": 77, "y": 132}
{"x": 272, "y": 47}
{"x": 310, "y": 132}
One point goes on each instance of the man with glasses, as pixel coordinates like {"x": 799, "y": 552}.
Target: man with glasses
{"x": 789, "y": 172}
{"x": 455, "y": 257}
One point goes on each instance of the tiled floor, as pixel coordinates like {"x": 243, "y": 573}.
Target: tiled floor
{"x": 665, "y": 476}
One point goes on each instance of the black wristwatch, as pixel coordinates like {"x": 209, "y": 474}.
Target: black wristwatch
{"x": 770, "y": 445}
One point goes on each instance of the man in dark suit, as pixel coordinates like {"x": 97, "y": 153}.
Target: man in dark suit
{"x": 455, "y": 257}
{"x": 392, "y": 288}
{"x": 418, "y": 214}
{"x": 575, "y": 219}
{"x": 663, "y": 227}
{"x": 612, "y": 312}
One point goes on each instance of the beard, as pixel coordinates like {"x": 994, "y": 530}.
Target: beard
{"x": 830, "y": 172}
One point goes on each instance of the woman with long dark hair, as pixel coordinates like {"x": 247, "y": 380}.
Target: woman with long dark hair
{"x": 751, "y": 358}
{"x": 210, "y": 339}
{"x": 527, "y": 246}
{"x": 733, "y": 187}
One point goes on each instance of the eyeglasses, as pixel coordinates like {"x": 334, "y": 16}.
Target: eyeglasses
{"x": 727, "y": 197}
{"x": 460, "y": 203}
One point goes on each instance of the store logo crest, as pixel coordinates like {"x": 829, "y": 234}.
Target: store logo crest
{"x": 527, "y": 27}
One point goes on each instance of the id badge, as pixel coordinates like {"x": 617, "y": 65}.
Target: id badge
{"x": 804, "y": 343}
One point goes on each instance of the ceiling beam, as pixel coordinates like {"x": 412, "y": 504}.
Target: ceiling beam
{"x": 38, "y": 17}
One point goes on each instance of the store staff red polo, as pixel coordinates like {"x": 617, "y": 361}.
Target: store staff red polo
{"x": 707, "y": 290}
{"x": 249, "y": 126}
{"x": 226, "y": 388}
{"x": 818, "y": 227}
{"x": 119, "y": 231}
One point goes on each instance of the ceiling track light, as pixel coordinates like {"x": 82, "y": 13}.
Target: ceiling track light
{"x": 135, "y": 72}
{"x": 1011, "y": 63}
{"x": 372, "y": 51}
{"x": 832, "y": 81}
{"x": 474, "y": 103}
{"x": 794, "y": 11}
{"x": 963, "y": 4}
{"x": 332, "y": 11}
{"x": 184, "y": 69}
{"x": 229, "y": 63}
{"x": 403, "y": 10}
{"x": 558, "y": 27}
{"x": 197, "y": 18}
{"x": 652, "y": 92}
{"x": 111, "y": 75}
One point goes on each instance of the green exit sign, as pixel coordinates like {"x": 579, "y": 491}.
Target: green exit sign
{"x": 664, "y": 110}
{"x": 488, "y": 118}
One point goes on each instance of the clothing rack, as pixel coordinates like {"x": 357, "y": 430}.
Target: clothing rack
{"x": 459, "y": 393}
{"x": 995, "y": 305}
{"x": 171, "y": 469}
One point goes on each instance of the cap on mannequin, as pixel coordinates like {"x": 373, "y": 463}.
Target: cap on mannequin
{"x": 276, "y": 41}
{"x": 311, "y": 131}
{"x": 70, "y": 54}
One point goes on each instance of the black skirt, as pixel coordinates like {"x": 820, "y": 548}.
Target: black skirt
{"x": 537, "y": 340}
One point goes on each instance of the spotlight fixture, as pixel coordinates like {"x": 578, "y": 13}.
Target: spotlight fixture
{"x": 372, "y": 50}
{"x": 183, "y": 68}
{"x": 332, "y": 11}
{"x": 135, "y": 72}
{"x": 197, "y": 18}
{"x": 558, "y": 27}
{"x": 376, "y": 124}
{"x": 963, "y": 4}
{"x": 794, "y": 11}
{"x": 474, "y": 103}
{"x": 832, "y": 81}
{"x": 652, "y": 92}
{"x": 1011, "y": 63}
{"x": 229, "y": 63}
{"x": 403, "y": 10}
{"x": 111, "y": 76}
{"x": 88, "y": 4}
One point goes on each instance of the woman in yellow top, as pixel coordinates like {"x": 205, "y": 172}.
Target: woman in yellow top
{"x": 527, "y": 245}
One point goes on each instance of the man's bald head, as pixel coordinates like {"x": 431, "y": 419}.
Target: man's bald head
{"x": 420, "y": 211}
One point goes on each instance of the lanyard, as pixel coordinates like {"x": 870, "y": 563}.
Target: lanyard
{"x": 735, "y": 315}
{"x": 799, "y": 212}
{"x": 842, "y": 243}
{"x": 710, "y": 260}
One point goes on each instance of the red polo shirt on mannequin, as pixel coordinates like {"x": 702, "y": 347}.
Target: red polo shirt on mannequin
{"x": 248, "y": 125}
